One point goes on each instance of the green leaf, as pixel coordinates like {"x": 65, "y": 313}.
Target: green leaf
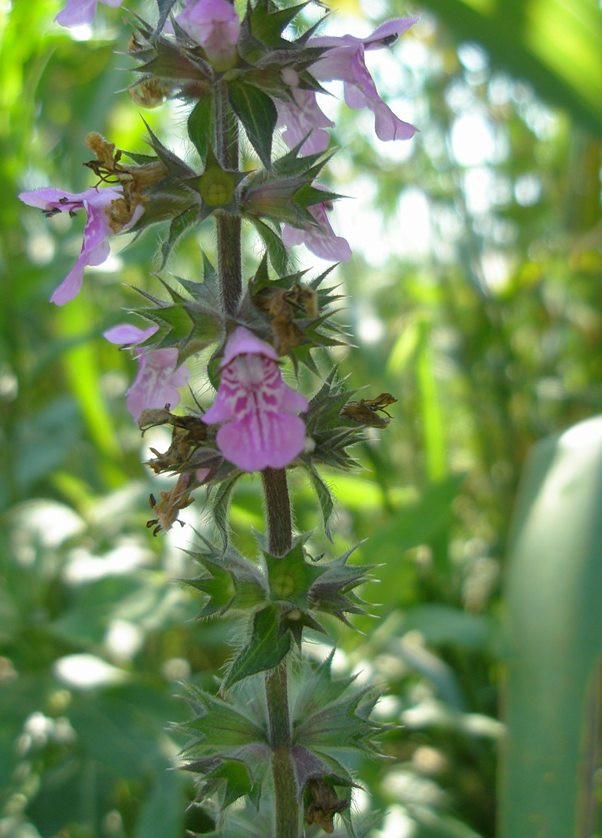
{"x": 180, "y": 225}
{"x": 554, "y": 638}
{"x": 200, "y": 125}
{"x": 433, "y": 421}
{"x": 258, "y": 114}
{"x": 275, "y": 248}
{"x": 220, "y": 503}
{"x": 81, "y": 368}
{"x": 417, "y": 523}
{"x": 324, "y": 497}
{"x": 266, "y": 648}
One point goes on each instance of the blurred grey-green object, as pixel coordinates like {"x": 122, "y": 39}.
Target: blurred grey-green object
{"x": 554, "y": 633}
{"x": 555, "y": 45}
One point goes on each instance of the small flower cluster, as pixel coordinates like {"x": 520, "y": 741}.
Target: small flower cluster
{"x": 283, "y": 194}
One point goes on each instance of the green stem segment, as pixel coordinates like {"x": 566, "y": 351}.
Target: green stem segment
{"x": 278, "y": 512}
{"x": 275, "y": 485}
{"x": 228, "y": 226}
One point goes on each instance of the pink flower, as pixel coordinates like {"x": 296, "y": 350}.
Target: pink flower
{"x": 158, "y": 375}
{"x": 302, "y": 117}
{"x": 215, "y": 25}
{"x": 77, "y": 12}
{"x": 255, "y": 407}
{"x": 95, "y": 246}
{"x": 320, "y": 240}
{"x": 343, "y": 61}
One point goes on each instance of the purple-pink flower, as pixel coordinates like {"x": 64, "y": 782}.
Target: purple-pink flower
{"x": 215, "y": 25}
{"x": 320, "y": 240}
{"x": 344, "y": 61}
{"x": 256, "y": 409}
{"x": 158, "y": 378}
{"x": 95, "y": 246}
{"x": 302, "y": 117}
{"x": 77, "y": 12}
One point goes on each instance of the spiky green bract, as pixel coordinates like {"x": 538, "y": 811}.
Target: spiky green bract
{"x": 285, "y": 191}
{"x": 176, "y": 59}
{"x": 304, "y": 318}
{"x": 183, "y": 69}
{"x": 168, "y": 197}
{"x": 229, "y": 744}
{"x": 334, "y": 592}
{"x": 290, "y": 592}
{"x": 303, "y": 587}
{"x": 230, "y": 581}
{"x": 189, "y": 321}
{"x": 331, "y": 433}
{"x": 174, "y": 198}
{"x": 331, "y": 722}
{"x": 217, "y": 186}
{"x": 265, "y": 51}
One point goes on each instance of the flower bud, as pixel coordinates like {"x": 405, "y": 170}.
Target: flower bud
{"x": 215, "y": 25}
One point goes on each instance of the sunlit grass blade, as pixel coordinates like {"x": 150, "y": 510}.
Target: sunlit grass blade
{"x": 554, "y": 638}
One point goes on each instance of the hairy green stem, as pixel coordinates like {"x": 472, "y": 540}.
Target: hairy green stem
{"x": 278, "y": 509}
{"x": 228, "y": 226}
{"x": 278, "y": 512}
{"x": 285, "y": 782}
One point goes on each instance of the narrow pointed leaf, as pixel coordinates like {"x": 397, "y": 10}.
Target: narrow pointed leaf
{"x": 221, "y": 504}
{"x": 258, "y": 114}
{"x": 180, "y": 225}
{"x": 324, "y": 497}
{"x": 266, "y": 648}
{"x": 200, "y": 125}
{"x": 275, "y": 248}
{"x": 165, "y": 6}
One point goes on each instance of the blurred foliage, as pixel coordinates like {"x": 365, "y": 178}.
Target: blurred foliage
{"x": 475, "y": 297}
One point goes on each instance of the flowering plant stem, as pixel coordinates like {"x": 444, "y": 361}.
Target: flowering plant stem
{"x": 278, "y": 513}
{"x": 228, "y": 226}
{"x": 279, "y": 533}
{"x": 288, "y": 740}
{"x": 277, "y": 501}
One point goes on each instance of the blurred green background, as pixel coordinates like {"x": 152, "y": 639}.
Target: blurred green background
{"x": 475, "y": 298}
